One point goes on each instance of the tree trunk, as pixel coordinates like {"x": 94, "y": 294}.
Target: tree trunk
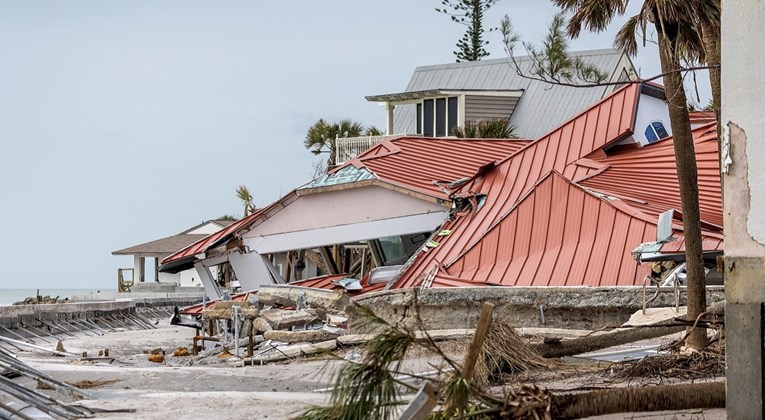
{"x": 627, "y": 400}
{"x": 603, "y": 341}
{"x": 687, "y": 176}
{"x": 712, "y": 54}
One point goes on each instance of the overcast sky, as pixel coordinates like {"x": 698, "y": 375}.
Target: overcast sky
{"x": 127, "y": 121}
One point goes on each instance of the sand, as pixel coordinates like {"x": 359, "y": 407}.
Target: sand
{"x": 171, "y": 390}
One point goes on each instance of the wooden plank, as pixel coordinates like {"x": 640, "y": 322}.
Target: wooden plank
{"x": 484, "y": 322}
{"x": 423, "y": 403}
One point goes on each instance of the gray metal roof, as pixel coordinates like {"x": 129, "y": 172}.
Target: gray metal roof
{"x": 542, "y": 107}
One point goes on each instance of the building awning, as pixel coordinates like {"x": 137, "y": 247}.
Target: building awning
{"x": 432, "y": 93}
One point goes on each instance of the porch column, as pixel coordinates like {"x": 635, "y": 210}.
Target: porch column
{"x": 389, "y": 122}
{"x": 139, "y": 269}
{"x": 743, "y": 151}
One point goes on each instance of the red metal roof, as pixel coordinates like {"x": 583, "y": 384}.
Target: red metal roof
{"x": 416, "y": 163}
{"x": 409, "y": 162}
{"x": 328, "y": 283}
{"x": 557, "y": 235}
{"x": 537, "y": 227}
{"x": 503, "y": 186}
{"x": 204, "y": 244}
{"x": 702, "y": 117}
{"x": 647, "y": 177}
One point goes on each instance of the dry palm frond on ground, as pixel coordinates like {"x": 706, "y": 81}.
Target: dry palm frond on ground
{"x": 504, "y": 352}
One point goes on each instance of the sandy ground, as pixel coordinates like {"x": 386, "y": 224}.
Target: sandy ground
{"x": 169, "y": 390}
{"x": 137, "y": 388}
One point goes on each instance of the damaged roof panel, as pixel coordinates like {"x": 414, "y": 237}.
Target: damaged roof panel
{"x": 417, "y": 163}
{"x": 541, "y": 237}
{"x": 647, "y": 177}
{"x": 553, "y": 231}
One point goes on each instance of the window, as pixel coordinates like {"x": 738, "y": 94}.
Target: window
{"x": 437, "y": 117}
{"x": 427, "y": 118}
{"x": 655, "y": 131}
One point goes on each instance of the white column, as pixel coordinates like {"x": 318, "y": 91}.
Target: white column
{"x": 139, "y": 269}
{"x": 743, "y": 149}
{"x": 389, "y": 122}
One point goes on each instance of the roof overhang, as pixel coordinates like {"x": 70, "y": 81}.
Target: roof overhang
{"x": 175, "y": 267}
{"x": 415, "y": 96}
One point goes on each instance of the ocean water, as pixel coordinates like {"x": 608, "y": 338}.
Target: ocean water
{"x": 9, "y": 296}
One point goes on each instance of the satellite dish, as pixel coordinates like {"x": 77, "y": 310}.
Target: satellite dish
{"x": 664, "y": 226}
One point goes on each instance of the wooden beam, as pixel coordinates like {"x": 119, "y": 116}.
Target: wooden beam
{"x": 326, "y": 253}
{"x": 484, "y": 322}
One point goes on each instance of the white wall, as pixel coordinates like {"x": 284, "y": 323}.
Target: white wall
{"x": 343, "y": 207}
{"x": 650, "y": 109}
{"x": 206, "y": 229}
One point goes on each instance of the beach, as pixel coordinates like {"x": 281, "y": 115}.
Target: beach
{"x": 174, "y": 390}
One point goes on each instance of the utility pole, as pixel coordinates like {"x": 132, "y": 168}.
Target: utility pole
{"x": 743, "y": 147}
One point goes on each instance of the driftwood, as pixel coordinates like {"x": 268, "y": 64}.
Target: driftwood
{"x": 598, "y": 342}
{"x": 650, "y": 398}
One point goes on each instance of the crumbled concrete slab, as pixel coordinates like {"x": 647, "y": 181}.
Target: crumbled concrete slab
{"x": 307, "y": 336}
{"x": 654, "y": 315}
{"x": 260, "y": 325}
{"x": 285, "y": 295}
{"x": 284, "y": 352}
{"x": 280, "y": 319}
{"x": 222, "y": 310}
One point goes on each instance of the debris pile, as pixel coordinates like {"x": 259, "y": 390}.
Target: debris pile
{"x": 42, "y": 300}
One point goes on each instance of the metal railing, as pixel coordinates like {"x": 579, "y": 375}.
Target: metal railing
{"x": 347, "y": 148}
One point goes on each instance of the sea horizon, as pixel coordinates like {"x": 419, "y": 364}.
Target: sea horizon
{"x": 8, "y": 296}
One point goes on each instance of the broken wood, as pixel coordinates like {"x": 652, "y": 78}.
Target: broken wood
{"x": 484, "y": 322}
{"x": 628, "y": 400}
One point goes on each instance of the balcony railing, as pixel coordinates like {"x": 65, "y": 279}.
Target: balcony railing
{"x": 347, "y": 148}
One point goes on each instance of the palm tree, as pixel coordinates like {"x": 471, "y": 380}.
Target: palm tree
{"x": 322, "y": 135}
{"x": 485, "y": 129}
{"x": 677, "y": 26}
{"x": 244, "y": 195}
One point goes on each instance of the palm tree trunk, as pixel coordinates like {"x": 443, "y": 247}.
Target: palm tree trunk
{"x": 687, "y": 176}
{"x": 712, "y": 53}
{"x": 649, "y": 398}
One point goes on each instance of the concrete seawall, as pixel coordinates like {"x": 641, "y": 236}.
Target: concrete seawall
{"x": 558, "y": 307}
{"x": 51, "y": 322}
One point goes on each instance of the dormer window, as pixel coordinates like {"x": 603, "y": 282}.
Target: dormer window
{"x": 437, "y": 117}
{"x": 655, "y": 131}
